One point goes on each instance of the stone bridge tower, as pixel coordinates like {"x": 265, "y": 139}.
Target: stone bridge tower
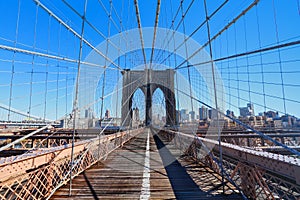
{"x": 148, "y": 81}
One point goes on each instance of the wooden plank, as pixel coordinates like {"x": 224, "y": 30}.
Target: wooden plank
{"x": 120, "y": 176}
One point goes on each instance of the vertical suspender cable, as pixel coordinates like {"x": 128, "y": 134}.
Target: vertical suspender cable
{"x": 279, "y": 56}
{"x": 237, "y": 68}
{"x": 215, "y": 93}
{"x": 104, "y": 75}
{"x": 13, "y": 63}
{"x": 32, "y": 62}
{"x": 105, "y": 63}
{"x": 75, "y": 103}
{"x": 67, "y": 80}
{"x": 119, "y": 59}
{"x": 118, "y": 76}
{"x": 47, "y": 65}
{"x": 261, "y": 60}
{"x": 247, "y": 59}
{"x": 228, "y": 71}
{"x": 58, "y": 73}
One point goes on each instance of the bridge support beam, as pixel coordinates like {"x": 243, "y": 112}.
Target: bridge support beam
{"x": 148, "y": 99}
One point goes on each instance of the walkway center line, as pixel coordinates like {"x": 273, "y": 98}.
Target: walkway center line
{"x": 145, "y": 190}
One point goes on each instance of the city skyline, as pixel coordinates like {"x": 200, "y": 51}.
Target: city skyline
{"x": 259, "y": 78}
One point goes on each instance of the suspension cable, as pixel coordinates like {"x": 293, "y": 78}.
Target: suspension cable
{"x": 93, "y": 27}
{"x": 279, "y": 46}
{"x": 25, "y": 51}
{"x": 154, "y": 33}
{"x": 75, "y": 33}
{"x": 138, "y": 18}
{"x": 220, "y": 32}
{"x": 160, "y": 52}
{"x": 32, "y": 62}
{"x": 194, "y": 31}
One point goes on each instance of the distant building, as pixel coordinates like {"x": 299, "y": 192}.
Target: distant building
{"x": 107, "y": 114}
{"x": 277, "y": 123}
{"x": 259, "y": 121}
{"x": 156, "y": 119}
{"x": 252, "y": 121}
{"x": 213, "y": 114}
{"x": 135, "y": 117}
{"x": 136, "y": 114}
{"x": 244, "y": 112}
{"x": 192, "y": 114}
{"x": 247, "y": 111}
{"x": 203, "y": 112}
{"x": 183, "y": 115}
{"x": 209, "y": 114}
{"x": 271, "y": 114}
{"x": 88, "y": 113}
{"x": 298, "y": 123}
{"x": 288, "y": 120}
{"x": 230, "y": 113}
{"x": 250, "y": 106}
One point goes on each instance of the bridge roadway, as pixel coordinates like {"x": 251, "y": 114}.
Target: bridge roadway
{"x": 139, "y": 170}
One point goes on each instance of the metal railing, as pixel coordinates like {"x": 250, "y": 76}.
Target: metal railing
{"x": 256, "y": 174}
{"x": 38, "y": 174}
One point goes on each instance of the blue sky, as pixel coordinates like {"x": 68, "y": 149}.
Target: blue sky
{"x": 270, "y": 80}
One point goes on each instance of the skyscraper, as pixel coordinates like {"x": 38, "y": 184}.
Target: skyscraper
{"x": 213, "y": 114}
{"x": 203, "y": 112}
{"x": 192, "y": 114}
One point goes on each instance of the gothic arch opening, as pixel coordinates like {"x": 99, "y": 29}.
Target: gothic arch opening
{"x": 137, "y": 111}
{"x": 158, "y": 108}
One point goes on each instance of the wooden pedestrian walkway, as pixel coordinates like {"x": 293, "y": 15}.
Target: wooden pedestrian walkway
{"x": 144, "y": 169}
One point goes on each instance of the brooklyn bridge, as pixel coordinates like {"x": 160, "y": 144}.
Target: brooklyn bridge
{"x": 128, "y": 99}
